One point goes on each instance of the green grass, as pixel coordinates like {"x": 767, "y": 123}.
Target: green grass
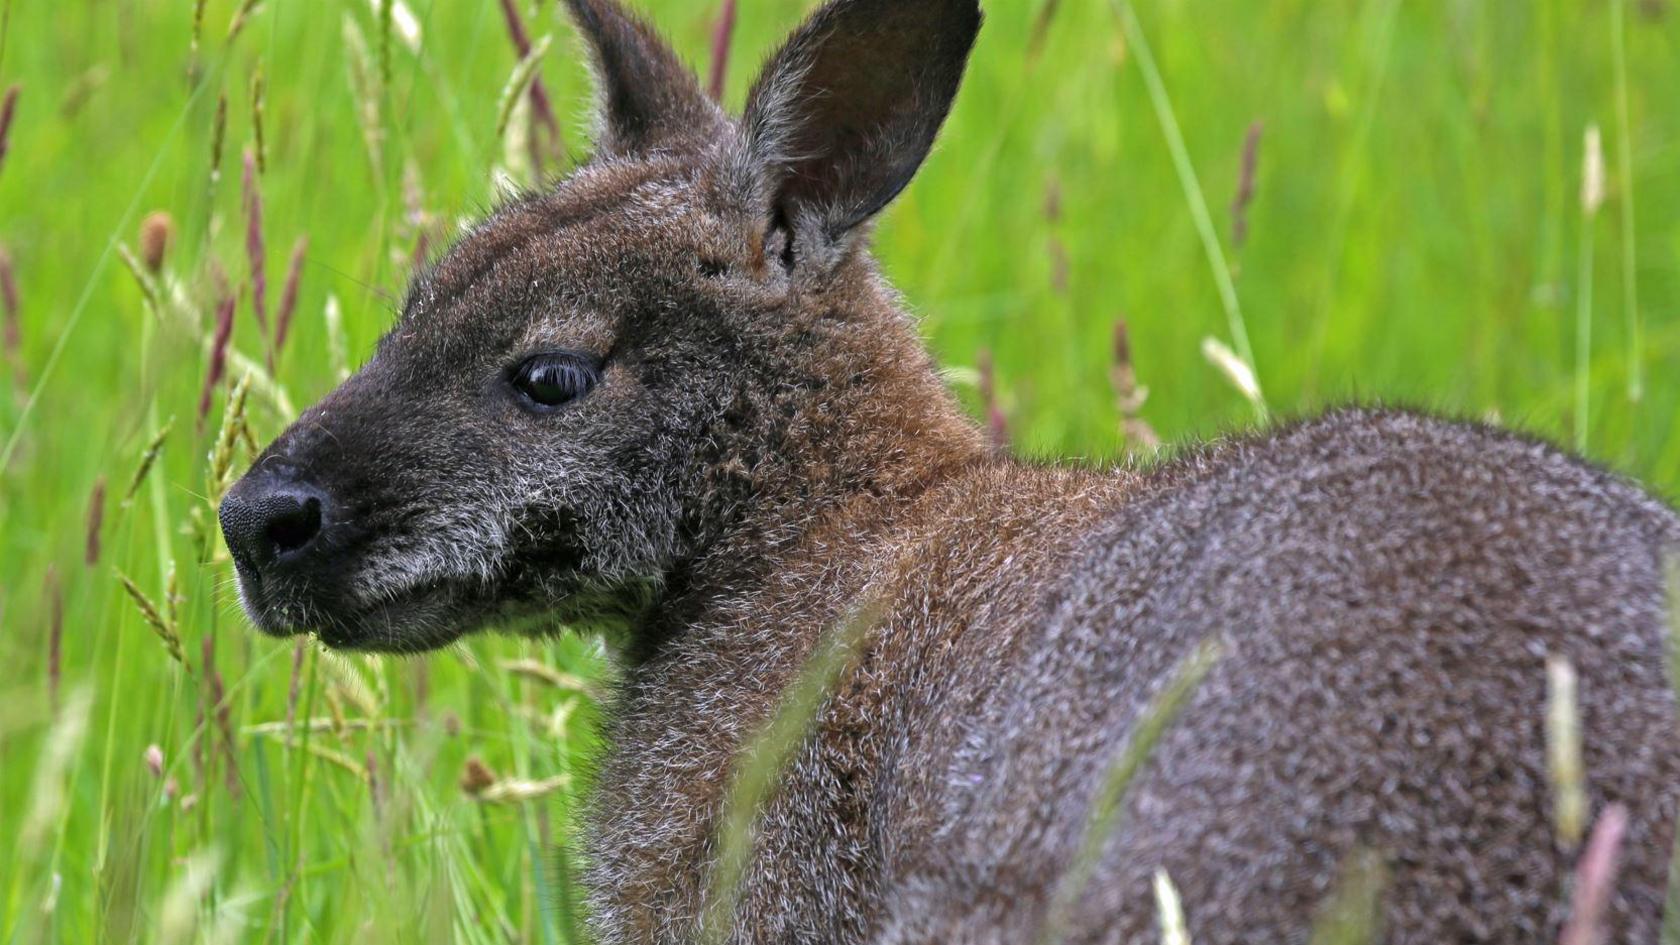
{"x": 1413, "y": 238}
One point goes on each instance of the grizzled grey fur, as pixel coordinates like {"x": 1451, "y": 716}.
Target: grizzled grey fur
{"x": 740, "y": 440}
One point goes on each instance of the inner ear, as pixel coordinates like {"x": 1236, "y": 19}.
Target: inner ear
{"x": 846, "y": 112}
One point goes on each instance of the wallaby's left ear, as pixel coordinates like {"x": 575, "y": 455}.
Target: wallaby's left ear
{"x": 649, "y": 100}
{"x": 845, "y": 113}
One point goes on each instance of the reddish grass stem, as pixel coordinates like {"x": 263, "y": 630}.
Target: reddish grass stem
{"x": 997, "y": 424}
{"x": 723, "y": 31}
{"x": 218, "y": 355}
{"x": 55, "y": 635}
{"x": 542, "y": 111}
{"x": 254, "y": 245}
{"x": 289, "y": 295}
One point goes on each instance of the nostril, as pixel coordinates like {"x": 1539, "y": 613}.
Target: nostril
{"x": 295, "y": 525}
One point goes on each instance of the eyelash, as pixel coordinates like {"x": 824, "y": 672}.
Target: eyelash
{"x": 553, "y": 379}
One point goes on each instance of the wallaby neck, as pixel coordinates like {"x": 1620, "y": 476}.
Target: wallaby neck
{"x": 843, "y": 488}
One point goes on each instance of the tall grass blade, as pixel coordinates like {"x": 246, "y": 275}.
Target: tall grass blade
{"x": 763, "y": 759}
{"x": 1108, "y": 807}
{"x": 1192, "y": 193}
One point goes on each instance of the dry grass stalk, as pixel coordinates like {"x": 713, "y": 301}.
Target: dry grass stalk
{"x": 481, "y": 784}
{"x": 331, "y": 756}
{"x": 364, "y": 89}
{"x": 157, "y": 231}
{"x": 997, "y": 423}
{"x": 95, "y": 522}
{"x": 1171, "y": 909}
{"x": 155, "y": 619}
{"x": 524, "y": 72}
{"x": 1235, "y": 369}
{"x": 1245, "y": 185}
{"x": 723, "y": 31}
{"x": 219, "y": 343}
{"x": 289, "y": 294}
{"x": 58, "y": 749}
{"x": 8, "y": 111}
{"x": 543, "y": 673}
{"x": 150, "y": 292}
{"x": 1563, "y": 752}
{"x": 1592, "y": 171}
{"x": 1129, "y": 396}
{"x": 1595, "y": 879}
{"x": 319, "y": 724}
{"x": 148, "y": 458}
{"x": 247, "y": 9}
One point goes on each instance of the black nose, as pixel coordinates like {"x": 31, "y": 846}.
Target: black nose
{"x": 271, "y": 519}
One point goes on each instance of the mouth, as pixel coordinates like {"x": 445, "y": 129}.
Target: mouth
{"x": 421, "y": 617}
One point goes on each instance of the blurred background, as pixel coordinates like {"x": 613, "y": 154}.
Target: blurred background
{"x": 1464, "y": 206}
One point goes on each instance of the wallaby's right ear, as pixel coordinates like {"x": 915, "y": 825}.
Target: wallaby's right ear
{"x": 845, "y": 113}
{"x": 649, "y": 99}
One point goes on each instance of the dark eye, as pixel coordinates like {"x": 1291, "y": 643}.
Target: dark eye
{"x": 549, "y": 380}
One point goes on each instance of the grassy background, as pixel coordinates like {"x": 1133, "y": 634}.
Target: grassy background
{"x": 1416, "y": 235}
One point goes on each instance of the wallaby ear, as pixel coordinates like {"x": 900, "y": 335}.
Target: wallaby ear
{"x": 846, "y": 112}
{"x": 650, "y": 100}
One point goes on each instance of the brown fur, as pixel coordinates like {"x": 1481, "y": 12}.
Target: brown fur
{"x": 768, "y": 452}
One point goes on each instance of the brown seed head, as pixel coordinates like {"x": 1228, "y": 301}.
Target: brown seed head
{"x": 157, "y": 231}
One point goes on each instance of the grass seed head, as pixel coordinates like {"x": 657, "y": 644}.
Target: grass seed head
{"x": 9, "y": 307}
{"x": 289, "y": 294}
{"x": 218, "y": 138}
{"x": 254, "y": 251}
{"x": 95, "y": 522}
{"x": 1245, "y": 184}
{"x": 154, "y": 618}
{"x": 221, "y": 456}
{"x": 8, "y": 111}
{"x": 54, "y": 591}
{"x": 218, "y": 355}
{"x": 157, "y": 231}
{"x": 257, "y": 119}
{"x": 148, "y": 458}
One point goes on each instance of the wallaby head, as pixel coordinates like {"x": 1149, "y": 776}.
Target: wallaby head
{"x": 600, "y": 381}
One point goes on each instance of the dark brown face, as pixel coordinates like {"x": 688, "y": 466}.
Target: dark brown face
{"x": 517, "y": 444}
{"x": 573, "y": 398}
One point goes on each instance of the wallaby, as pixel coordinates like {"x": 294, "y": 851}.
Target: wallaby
{"x": 672, "y": 399}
